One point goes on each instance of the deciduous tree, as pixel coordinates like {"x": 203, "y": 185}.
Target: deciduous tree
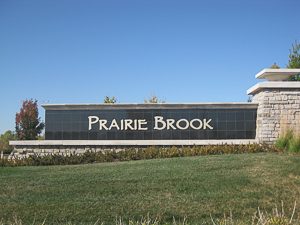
{"x": 275, "y": 66}
{"x": 154, "y": 99}
{"x": 110, "y": 100}
{"x": 28, "y": 122}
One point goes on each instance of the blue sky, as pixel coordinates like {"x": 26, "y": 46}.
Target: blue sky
{"x": 182, "y": 51}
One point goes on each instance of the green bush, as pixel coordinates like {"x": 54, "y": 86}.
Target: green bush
{"x": 153, "y": 152}
{"x": 4, "y": 142}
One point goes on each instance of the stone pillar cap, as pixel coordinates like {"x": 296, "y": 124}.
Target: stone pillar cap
{"x": 277, "y": 74}
{"x": 273, "y": 85}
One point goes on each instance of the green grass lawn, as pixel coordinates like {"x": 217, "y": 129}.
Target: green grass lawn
{"x": 192, "y": 187}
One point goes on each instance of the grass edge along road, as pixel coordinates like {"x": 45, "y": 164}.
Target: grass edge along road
{"x": 191, "y": 187}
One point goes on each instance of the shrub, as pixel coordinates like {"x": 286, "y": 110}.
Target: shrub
{"x": 153, "y": 152}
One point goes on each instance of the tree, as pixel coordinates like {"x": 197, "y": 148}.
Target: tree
{"x": 294, "y": 56}
{"x": 4, "y": 141}
{"x": 28, "y": 122}
{"x": 294, "y": 59}
{"x": 275, "y": 66}
{"x": 154, "y": 99}
{"x": 110, "y": 100}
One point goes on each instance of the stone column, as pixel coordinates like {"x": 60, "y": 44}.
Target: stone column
{"x": 278, "y": 104}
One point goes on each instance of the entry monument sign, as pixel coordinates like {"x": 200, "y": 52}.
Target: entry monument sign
{"x": 77, "y": 128}
{"x": 151, "y": 121}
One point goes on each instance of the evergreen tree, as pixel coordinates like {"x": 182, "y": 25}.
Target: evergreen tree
{"x": 294, "y": 60}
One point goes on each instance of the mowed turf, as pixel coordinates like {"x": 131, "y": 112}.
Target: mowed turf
{"x": 191, "y": 187}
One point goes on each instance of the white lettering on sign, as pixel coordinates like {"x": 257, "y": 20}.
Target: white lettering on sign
{"x": 102, "y": 124}
{"x": 141, "y": 124}
{"x": 93, "y": 120}
{"x": 160, "y": 124}
{"x": 206, "y": 124}
{"x": 192, "y": 124}
{"x": 184, "y": 124}
{"x": 114, "y": 124}
{"x": 170, "y": 123}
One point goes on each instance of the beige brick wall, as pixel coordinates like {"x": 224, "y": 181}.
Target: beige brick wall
{"x": 278, "y": 111}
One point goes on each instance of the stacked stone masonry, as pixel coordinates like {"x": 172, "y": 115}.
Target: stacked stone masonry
{"x": 278, "y": 111}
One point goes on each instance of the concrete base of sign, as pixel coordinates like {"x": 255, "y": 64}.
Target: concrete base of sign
{"x": 130, "y": 142}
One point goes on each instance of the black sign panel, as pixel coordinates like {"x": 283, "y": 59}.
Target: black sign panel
{"x": 151, "y": 124}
